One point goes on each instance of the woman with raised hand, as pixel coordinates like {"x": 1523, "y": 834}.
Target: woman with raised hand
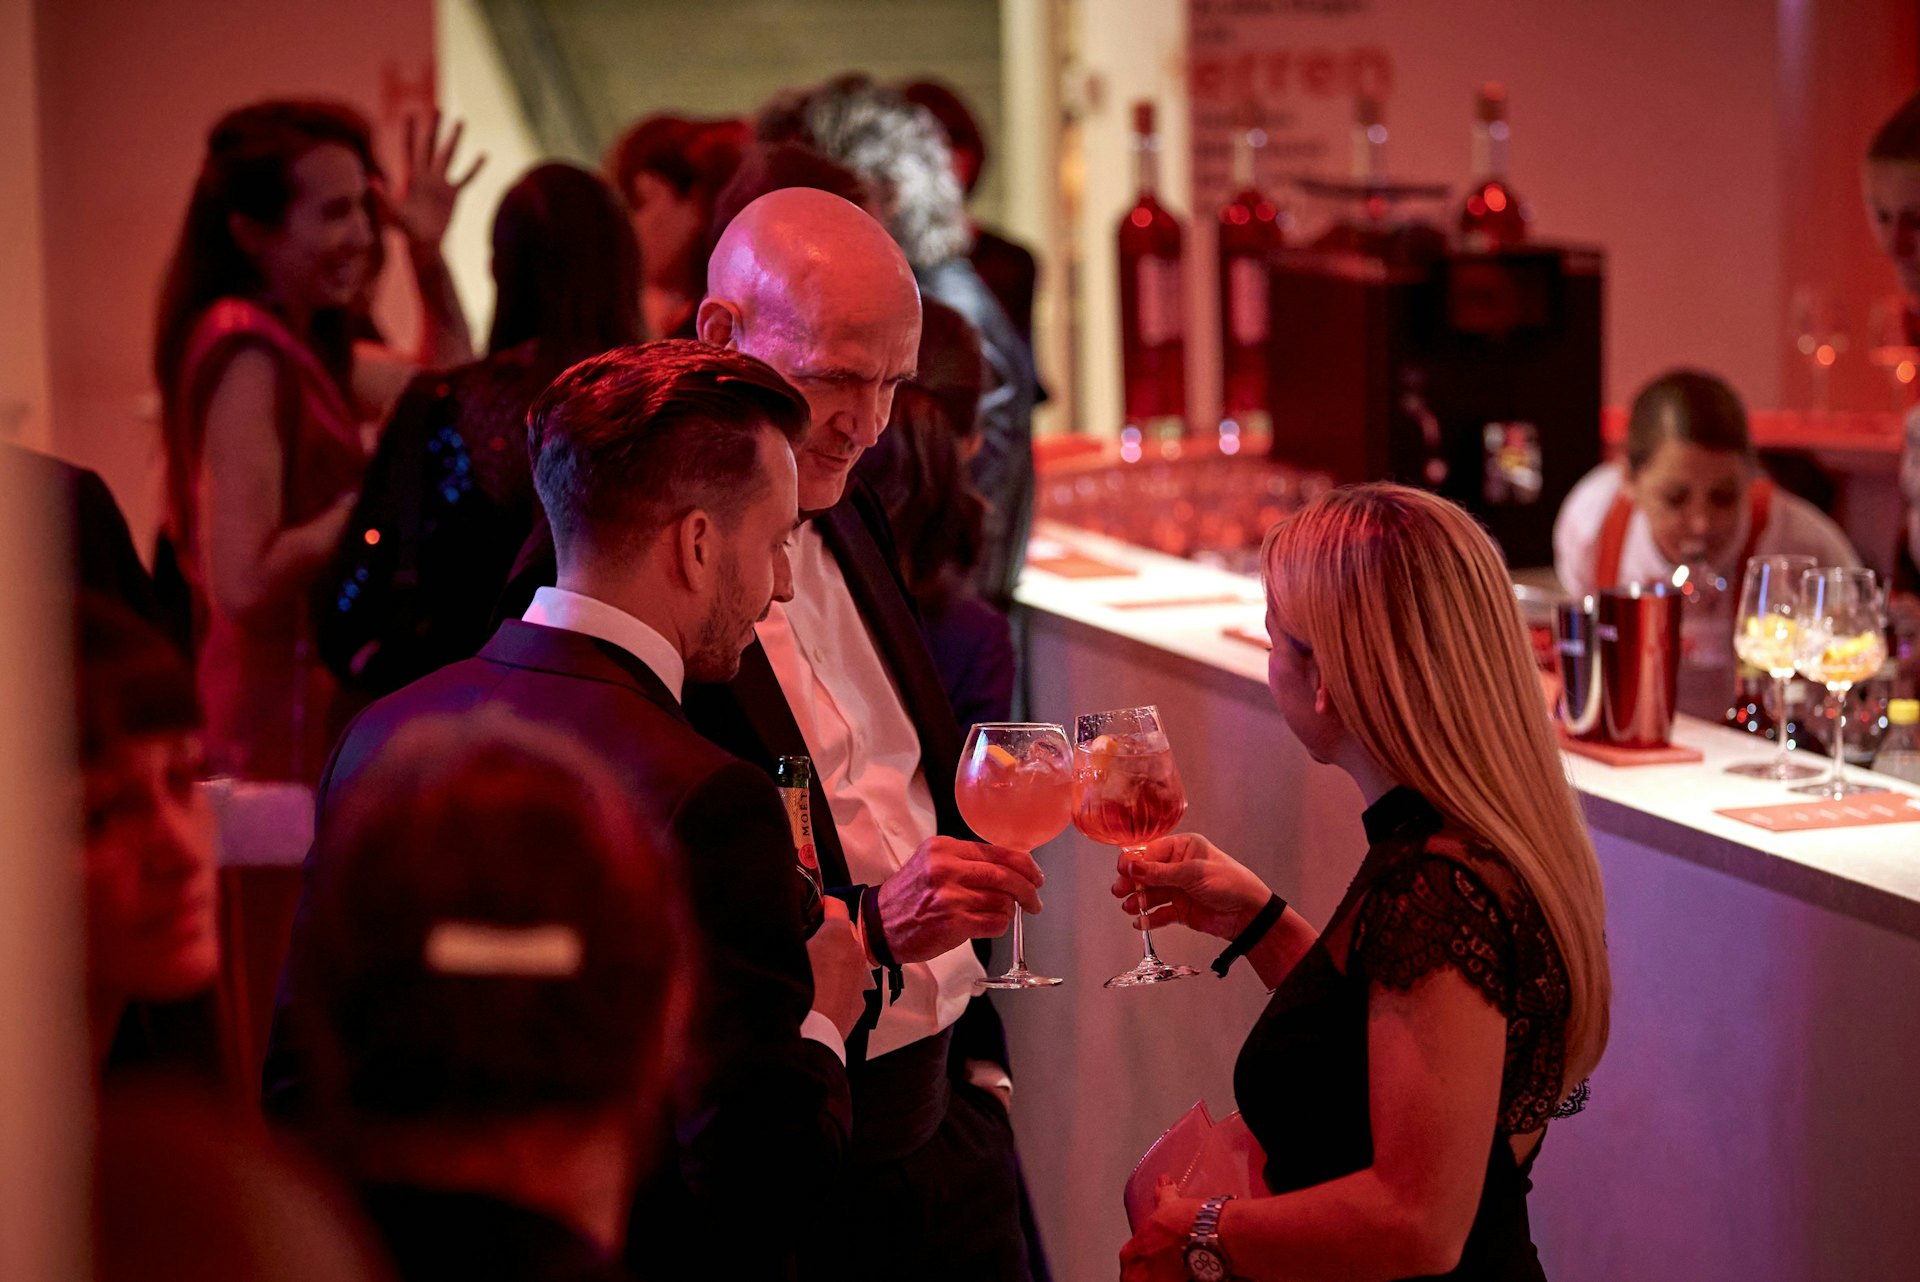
{"x": 1404, "y": 1072}
{"x": 268, "y": 371}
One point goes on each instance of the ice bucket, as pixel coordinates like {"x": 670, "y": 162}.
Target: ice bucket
{"x": 1637, "y": 629}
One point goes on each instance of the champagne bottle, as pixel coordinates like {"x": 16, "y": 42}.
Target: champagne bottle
{"x": 793, "y": 776}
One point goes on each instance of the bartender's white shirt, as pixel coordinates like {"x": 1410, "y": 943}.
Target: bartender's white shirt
{"x": 866, "y": 754}
{"x": 1794, "y": 526}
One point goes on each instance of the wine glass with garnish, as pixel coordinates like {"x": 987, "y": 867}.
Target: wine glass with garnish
{"x": 1126, "y": 792}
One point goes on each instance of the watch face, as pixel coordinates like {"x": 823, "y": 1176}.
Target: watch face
{"x": 1205, "y": 1265}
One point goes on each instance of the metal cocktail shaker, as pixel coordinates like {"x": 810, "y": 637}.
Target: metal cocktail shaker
{"x": 1579, "y": 651}
{"x": 1638, "y": 633}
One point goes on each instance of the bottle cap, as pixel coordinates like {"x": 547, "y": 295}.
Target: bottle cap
{"x": 1366, "y": 110}
{"x": 1903, "y": 712}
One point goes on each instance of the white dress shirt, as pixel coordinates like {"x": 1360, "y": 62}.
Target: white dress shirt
{"x": 571, "y": 612}
{"x": 866, "y": 754}
{"x": 1794, "y": 526}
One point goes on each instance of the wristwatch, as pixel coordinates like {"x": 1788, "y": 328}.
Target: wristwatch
{"x": 1206, "y": 1258}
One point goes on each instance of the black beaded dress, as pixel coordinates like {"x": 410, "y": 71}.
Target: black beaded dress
{"x": 1428, "y": 895}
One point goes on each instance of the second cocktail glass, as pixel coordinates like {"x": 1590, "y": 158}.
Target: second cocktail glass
{"x": 1014, "y": 788}
{"x": 1126, "y": 792}
{"x": 1767, "y": 635}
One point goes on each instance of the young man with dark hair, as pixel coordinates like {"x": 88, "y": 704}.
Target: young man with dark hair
{"x": 668, "y": 476}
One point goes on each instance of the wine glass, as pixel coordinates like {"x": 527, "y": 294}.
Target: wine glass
{"x": 1818, "y": 337}
{"x": 1843, "y": 622}
{"x": 1126, "y": 792}
{"x": 1015, "y": 788}
{"x": 1766, "y": 635}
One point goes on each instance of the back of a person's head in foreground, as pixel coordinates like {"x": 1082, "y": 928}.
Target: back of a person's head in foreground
{"x": 496, "y": 937}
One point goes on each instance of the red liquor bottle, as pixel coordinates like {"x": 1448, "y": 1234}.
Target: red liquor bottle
{"x": 1494, "y": 216}
{"x": 1153, "y": 343}
{"x": 1251, "y": 228}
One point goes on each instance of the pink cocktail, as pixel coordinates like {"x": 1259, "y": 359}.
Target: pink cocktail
{"x": 1126, "y": 792}
{"x": 1015, "y": 789}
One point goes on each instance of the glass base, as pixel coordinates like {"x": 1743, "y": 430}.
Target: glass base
{"x": 1018, "y": 979}
{"x": 1774, "y": 770}
{"x": 1150, "y": 972}
{"x": 1833, "y": 790}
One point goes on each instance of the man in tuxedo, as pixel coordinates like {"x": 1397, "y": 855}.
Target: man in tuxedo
{"x": 669, "y": 483}
{"x": 819, "y": 290}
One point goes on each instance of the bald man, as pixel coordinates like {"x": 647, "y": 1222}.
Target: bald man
{"x": 819, "y": 290}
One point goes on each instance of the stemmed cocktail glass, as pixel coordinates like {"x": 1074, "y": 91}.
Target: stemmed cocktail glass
{"x": 1767, "y": 636}
{"x": 1015, "y": 788}
{"x": 1126, "y": 792}
{"x": 1842, "y": 640}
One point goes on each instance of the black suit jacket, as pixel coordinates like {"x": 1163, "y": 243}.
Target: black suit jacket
{"x": 751, "y": 719}
{"x": 771, "y": 1110}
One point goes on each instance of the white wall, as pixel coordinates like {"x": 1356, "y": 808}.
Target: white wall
{"x": 474, "y": 88}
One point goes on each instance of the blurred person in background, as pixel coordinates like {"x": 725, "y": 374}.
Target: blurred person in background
{"x": 100, "y": 553}
{"x": 898, "y": 149}
{"x": 1008, "y": 268}
{"x": 500, "y": 968}
{"x": 669, "y": 170}
{"x": 936, "y": 520}
{"x": 448, "y": 499}
{"x": 265, "y": 387}
{"x": 153, "y": 952}
{"x": 1688, "y": 491}
{"x": 1892, "y": 181}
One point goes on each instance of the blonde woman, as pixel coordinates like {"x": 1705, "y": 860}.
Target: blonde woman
{"x": 1413, "y": 1052}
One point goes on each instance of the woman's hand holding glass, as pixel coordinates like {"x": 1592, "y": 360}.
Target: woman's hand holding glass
{"x": 1188, "y": 879}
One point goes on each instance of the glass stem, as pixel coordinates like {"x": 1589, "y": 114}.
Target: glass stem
{"x": 1839, "y": 735}
{"x": 1146, "y": 932}
{"x": 1779, "y": 714}
{"x": 1019, "y": 943}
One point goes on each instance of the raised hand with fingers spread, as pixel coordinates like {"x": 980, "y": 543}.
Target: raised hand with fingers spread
{"x": 428, "y": 192}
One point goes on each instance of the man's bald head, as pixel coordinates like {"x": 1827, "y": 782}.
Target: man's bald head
{"x": 816, "y": 288}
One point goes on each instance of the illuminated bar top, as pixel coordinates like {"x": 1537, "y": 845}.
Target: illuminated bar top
{"x": 1212, "y": 620}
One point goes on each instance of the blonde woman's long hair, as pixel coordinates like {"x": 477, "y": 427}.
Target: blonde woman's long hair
{"x": 1408, "y": 609}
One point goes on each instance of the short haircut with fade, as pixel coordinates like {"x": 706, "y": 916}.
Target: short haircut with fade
{"x": 627, "y": 442}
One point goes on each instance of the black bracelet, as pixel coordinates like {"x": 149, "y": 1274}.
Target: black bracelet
{"x": 877, "y": 941}
{"x": 1243, "y": 943}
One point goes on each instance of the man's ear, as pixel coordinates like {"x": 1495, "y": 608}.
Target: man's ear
{"x": 696, "y": 546}
{"x": 718, "y": 322}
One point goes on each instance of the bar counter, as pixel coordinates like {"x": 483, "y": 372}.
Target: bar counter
{"x": 1757, "y": 1114}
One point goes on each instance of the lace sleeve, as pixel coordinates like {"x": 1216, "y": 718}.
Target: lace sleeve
{"x": 1429, "y": 912}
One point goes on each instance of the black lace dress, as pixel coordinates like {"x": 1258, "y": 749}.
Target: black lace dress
{"x": 1428, "y": 895}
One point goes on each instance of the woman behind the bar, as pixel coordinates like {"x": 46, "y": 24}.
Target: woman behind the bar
{"x": 1403, "y": 1074}
{"x": 266, "y": 377}
{"x": 1688, "y": 491}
